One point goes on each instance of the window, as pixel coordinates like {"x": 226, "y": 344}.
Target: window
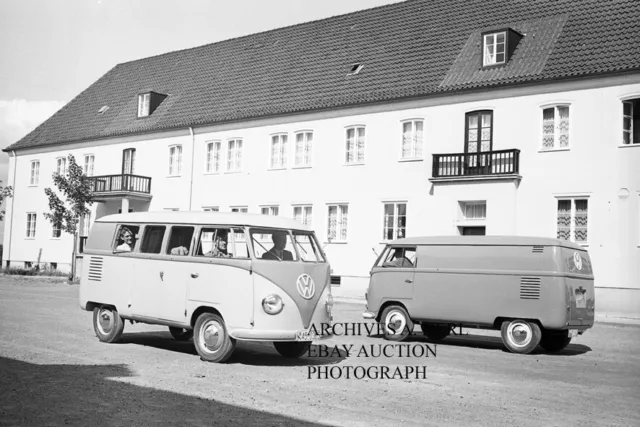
{"x": 180, "y": 240}
{"x": 234, "y": 155}
{"x": 222, "y": 243}
{"x": 152, "y": 239}
{"x": 144, "y": 100}
{"x": 128, "y": 161}
{"x": 412, "y": 139}
{"x": 85, "y": 225}
{"x": 88, "y": 164}
{"x": 175, "y": 160}
{"x": 475, "y": 210}
{"x": 214, "y": 150}
{"x": 211, "y": 209}
{"x": 241, "y": 209}
{"x": 269, "y": 210}
{"x": 304, "y": 148}
{"x": 395, "y": 221}
{"x": 478, "y": 139}
{"x": 280, "y": 247}
{"x": 31, "y": 225}
{"x": 555, "y": 127}
{"x": 303, "y": 214}
{"x": 61, "y": 166}
{"x": 56, "y": 232}
{"x": 631, "y": 122}
{"x": 498, "y": 46}
{"x": 354, "y": 145}
{"x": 126, "y": 238}
{"x": 337, "y": 223}
{"x": 398, "y": 257}
{"x": 35, "y": 173}
{"x": 308, "y": 247}
{"x": 278, "y": 152}
{"x": 572, "y": 219}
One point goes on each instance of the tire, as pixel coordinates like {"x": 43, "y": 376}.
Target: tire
{"x": 181, "y": 334}
{"x": 211, "y": 339}
{"x": 520, "y": 336}
{"x": 435, "y": 332}
{"x": 553, "y": 341}
{"x": 396, "y": 323}
{"x": 292, "y": 349}
{"x": 107, "y": 324}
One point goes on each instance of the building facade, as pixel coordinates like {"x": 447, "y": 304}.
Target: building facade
{"x": 500, "y": 142}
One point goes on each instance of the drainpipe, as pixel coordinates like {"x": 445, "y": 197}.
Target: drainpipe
{"x": 13, "y": 185}
{"x": 193, "y": 150}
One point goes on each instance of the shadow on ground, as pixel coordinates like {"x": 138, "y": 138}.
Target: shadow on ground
{"x": 83, "y": 395}
{"x": 246, "y": 353}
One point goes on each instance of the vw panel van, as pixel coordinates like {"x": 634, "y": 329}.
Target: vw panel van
{"x": 536, "y": 291}
{"x": 214, "y": 277}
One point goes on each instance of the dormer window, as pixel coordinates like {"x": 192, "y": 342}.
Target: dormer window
{"x": 149, "y": 102}
{"x": 498, "y": 46}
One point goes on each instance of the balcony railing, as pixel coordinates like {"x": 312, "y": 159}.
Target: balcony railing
{"x": 487, "y": 163}
{"x": 126, "y": 183}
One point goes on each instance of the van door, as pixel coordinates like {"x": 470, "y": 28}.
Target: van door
{"x": 392, "y": 277}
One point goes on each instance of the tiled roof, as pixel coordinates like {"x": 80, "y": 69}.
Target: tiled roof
{"x": 410, "y": 49}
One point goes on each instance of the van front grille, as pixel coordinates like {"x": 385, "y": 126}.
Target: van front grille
{"x": 530, "y": 288}
{"x": 538, "y": 249}
{"x": 95, "y": 269}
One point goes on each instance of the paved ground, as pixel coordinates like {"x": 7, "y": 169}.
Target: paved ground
{"x": 54, "y": 371}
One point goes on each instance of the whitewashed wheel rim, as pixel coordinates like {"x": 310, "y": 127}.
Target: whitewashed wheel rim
{"x": 398, "y": 319}
{"x": 516, "y": 331}
{"x": 106, "y": 317}
{"x": 211, "y": 336}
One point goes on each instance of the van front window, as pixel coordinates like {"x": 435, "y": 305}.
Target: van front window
{"x": 273, "y": 245}
{"x": 307, "y": 245}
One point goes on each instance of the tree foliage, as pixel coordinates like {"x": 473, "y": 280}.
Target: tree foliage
{"x": 77, "y": 192}
{"x": 5, "y": 193}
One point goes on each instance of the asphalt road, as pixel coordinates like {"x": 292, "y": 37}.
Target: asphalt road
{"x": 54, "y": 371}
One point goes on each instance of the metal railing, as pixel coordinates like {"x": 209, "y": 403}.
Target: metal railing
{"x": 120, "y": 183}
{"x": 500, "y": 162}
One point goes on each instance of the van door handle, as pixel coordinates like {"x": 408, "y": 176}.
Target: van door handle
{"x": 195, "y": 275}
{"x": 408, "y": 281}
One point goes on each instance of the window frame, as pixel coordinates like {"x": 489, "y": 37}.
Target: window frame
{"x": 211, "y": 208}
{"x": 345, "y": 145}
{"x": 141, "y": 241}
{"x": 556, "y": 117}
{"x": 337, "y": 205}
{"x": 413, "y": 121}
{"x": 237, "y": 160}
{"x": 62, "y": 160}
{"x": 54, "y": 228}
{"x": 282, "y": 141}
{"x": 630, "y": 98}
{"x": 302, "y": 207}
{"x": 572, "y": 198}
{"x": 270, "y": 207}
{"x": 34, "y": 179}
{"x": 395, "y": 204}
{"x": 239, "y": 209}
{"x": 175, "y": 158}
{"x": 209, "y": 164}
{"x": 144, "y": 105}
{"x": 495, "y": 34}
{"x": 85, "y": 170}
{"x": 305, "y": 143}
{"x": 30, "y": 233}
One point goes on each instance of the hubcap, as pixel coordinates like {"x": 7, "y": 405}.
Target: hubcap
{"x": 212, "y": 336}
{"x": 520, "y": 334}
{"x": 395, "y": 323}
{"x": 105, "y": 321}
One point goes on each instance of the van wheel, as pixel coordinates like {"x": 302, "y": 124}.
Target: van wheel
{"x": 181, "y": 334}
{"x": 211, "y": 339}
{"x": 397, "y": 323}
{"x": 435, "y": 332}
{"x": 292, "y": 349}
{"x": 553, "y": 341}
{"x": 520, "y": 336}
{"x": 107, "y": 324}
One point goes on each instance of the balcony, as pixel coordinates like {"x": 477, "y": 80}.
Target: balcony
{"x": 487, "y": 165}
{"x": 122, "y": 185}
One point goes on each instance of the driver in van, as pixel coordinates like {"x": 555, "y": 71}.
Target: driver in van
{"x": 219, "y": 249}
{"x": 126, "y": 237}
{"x": 278, "y": 251}
{"x": 399, "y": 260}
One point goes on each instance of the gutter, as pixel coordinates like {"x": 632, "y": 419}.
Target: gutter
{"x": 13, "y": 184}
{"x": 193, "y": 150}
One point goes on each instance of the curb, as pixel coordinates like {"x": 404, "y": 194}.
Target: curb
{"x": 600, "y": 318}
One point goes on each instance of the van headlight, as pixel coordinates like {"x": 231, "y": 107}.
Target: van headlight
{"x": 272, "y": 304}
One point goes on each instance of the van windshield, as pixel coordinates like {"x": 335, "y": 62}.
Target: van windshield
{"x": 274, "y": 245}
{"x": 307, "y": 245}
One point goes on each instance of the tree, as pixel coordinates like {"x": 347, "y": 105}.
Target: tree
{"x": 77, "y": 190}
{"x": 5, "y": 193}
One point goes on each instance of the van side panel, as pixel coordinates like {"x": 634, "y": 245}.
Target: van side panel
{"x": 580, "y": 296}
{"x": 105, "y": 279}
{"x": 390, "y": 284}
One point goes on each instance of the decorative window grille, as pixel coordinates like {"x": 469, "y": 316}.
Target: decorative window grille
{"x": 337, "y": 223}
{"x": 573, "y": 216}
{"x": 555, "y": 127}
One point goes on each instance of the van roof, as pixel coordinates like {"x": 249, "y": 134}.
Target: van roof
{"x": 486, "y": 241}
{"x": 199, "y": 217}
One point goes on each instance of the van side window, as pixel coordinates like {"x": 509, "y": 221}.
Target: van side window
{"x": 400, "y": 258}
{"x": 214, "y": 242}
{"x": 152, "y": 239}
{"x": 180, "y": 240}
{"x": 239, "y": 246}
{"x": 126, "y": 237}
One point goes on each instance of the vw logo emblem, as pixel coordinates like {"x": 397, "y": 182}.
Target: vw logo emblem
{"x": 577, "y": 260}
{"x": 306, "y": 287}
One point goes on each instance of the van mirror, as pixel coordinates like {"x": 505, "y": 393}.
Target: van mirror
{"x": 374, "y": 251}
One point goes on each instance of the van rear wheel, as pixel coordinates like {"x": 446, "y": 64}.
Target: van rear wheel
{"x": 181, "y": 334}
{"x": 211, "y": 339}
{"x": 520, "y": 336}
{"x": 553, "y": 341}
{"x": 397, "y": 323}
{"x": 435, "y": 332}
{"x": 292, "y": 349}
{"x": 107, "y": 324}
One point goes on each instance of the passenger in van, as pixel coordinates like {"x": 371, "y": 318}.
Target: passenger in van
{"x": 126, "y": 239}
{"x": 399, "y": 260}
{"x": 219, "y": 249}
{"x": 278, "y": 252}
{"x": 180, "y": 250}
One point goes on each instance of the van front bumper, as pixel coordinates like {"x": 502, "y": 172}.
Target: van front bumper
{"x": 272, "y": 335}
{"x": 369, "y": 315}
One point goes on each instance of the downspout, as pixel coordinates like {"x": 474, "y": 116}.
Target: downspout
{"x": 193, "y": 150}
{"x": 13, "y": 184}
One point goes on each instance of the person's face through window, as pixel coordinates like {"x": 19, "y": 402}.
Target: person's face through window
{"x": 279, "y": 241}
{"x": 222, "y": 244}
{"x": 127, "y": 237}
